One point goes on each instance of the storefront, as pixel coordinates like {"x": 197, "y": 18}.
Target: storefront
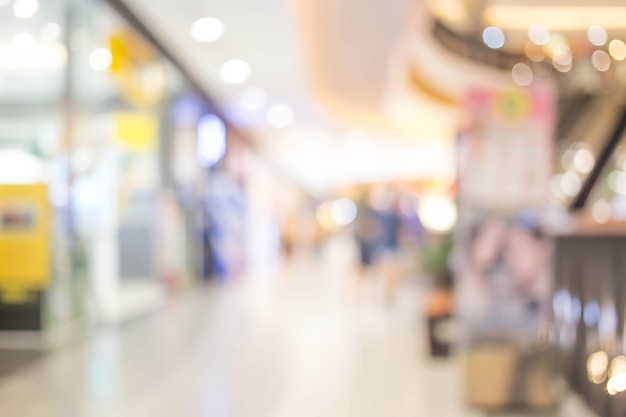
{"x": 97, "y": 120}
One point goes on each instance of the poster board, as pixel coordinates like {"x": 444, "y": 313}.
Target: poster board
{"x": 504, "y": 275}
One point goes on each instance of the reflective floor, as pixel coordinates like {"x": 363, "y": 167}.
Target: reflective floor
{"x": 295, "y": 343}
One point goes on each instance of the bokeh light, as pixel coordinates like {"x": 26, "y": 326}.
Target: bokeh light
{"x": 522, "y": 74}
{"x": 617, "y": 49}
{"x": 211, "y": 140}
{"x": 25, "y": 9}
{"x": 583, "y": 160}
{"x": 343, "y": 211}
{"x": 597, "y": 35}
{"x": 23, "y": 42}
{"x": 100, "y": 59}
{"x": 570, "y": 183}
{"x": 601, "y": 60}
{"x": 437, "y": 213}
{"x": 235, "y": 71}
{"x": 493, "y": 37}
{"x": 597, "y": 367}
{"x": 538, "y": 34}
{"x": 601, "y": 211}
{"x": 207, "y": 29}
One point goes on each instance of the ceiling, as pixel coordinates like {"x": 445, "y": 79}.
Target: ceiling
{"x": 355, "y": 64}
{"x": 335, "y": 62}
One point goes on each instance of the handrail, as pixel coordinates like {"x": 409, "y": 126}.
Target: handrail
{"x": 601, "y": 161}
{"x": 474, "y": 50}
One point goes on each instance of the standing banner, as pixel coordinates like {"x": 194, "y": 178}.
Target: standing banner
{"x": 504, "y": 276}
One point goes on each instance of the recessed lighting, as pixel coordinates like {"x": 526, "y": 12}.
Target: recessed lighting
{"x": 597, "y": 35}
{"x": 207, "y": 29}
{"x": 100, "y": 59}
{"x": 538, "y": 34}
{"x": 493, "y": 37}
{"x": 617, "y": 49}
{"x": 280, "y": 116}
{"x": 253, "y": 98}
{"x": 25, "y": 8}
{"x": 235, "y": 71}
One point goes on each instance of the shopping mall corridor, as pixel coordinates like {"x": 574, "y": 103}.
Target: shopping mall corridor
{"x": 291, "y": 344}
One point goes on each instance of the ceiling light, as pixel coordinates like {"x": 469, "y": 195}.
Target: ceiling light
{"x": 25, "y": 8}
{"x": 235, "y": 71}
{"x": 100, "y": 59}
{"x": 522, "y": 74}
{"x": 207, "y": 29}
{"x": 493, "y": 37}
{"x": 597, "y": 35}
{"x": 601, "y": 61}
{"x": 556, "y": 18}
{"x": 253, "y": 98}
{"x": 538, "y": 34}
{"x": 280, "y": 116}
{"x": 617, "y": 49}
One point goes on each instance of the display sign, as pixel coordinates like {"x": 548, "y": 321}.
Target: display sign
{"x": 504, "y": 273}
{"x": 24, "y": 237}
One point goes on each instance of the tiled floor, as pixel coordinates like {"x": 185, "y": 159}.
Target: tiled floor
{"x": 295, "y": 344}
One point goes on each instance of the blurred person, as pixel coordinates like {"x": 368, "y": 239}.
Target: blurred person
{"x": 391, "y": 223}
{"x": 367, "y": 232}
{"x": 287, "y": 236}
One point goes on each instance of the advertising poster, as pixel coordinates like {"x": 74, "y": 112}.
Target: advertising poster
{"x": 505, "y": 257}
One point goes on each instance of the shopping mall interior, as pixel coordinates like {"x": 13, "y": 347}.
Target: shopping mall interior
{"x": 303, "y": 208}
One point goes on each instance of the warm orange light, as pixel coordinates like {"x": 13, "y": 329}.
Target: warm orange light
{"x": 561, "y": 18}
